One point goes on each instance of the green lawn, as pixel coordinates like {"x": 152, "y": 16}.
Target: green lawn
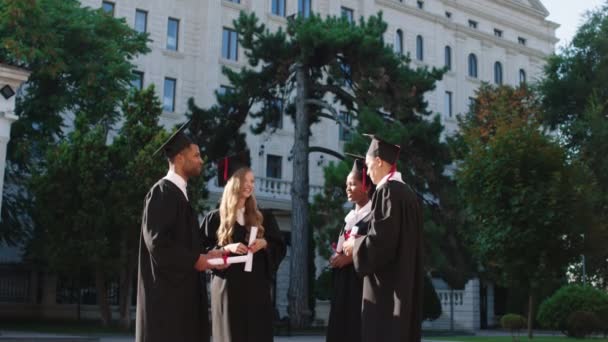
{"x": 522, "y": 338}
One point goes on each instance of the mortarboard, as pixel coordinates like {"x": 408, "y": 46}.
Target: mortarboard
{"x": 383, "y": 149}
{"x": 227, "y": 166}
{"x": 359, "y": 167}
{"x": 176, "y": 143}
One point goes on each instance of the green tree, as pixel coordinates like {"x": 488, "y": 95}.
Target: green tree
{"x": 526, "y": 200}
{"x": 294, "y": 72}
{"x": 81, "y": 62}
{"x": 133, "y": 169}
{"x": 74, "y": 232}
{"x": 575, "y": 93}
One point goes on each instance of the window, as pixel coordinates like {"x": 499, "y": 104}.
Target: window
{"x": 347, "y": 118}
{"x": 448, "y": 15}
{"x": 273, "y": 166}
{"x": 448, "y": 104}
{"x": 472, "y": 24}
{"x": 278, "y": 7}
{"x": 137, "y": 82}
{"x": 230, "y": 44}
{"x": 498, "y": 33}
{"x": 108, "y": 7}
{"x": 521, "y": 40}
{"x": 348, "y": 14}
{"x": 419, "y": 48}
{"x": 169, "y": 95}
{"x": 235, "y": 1}
{"x": 498, "y": 73}
{"x": 172, "y": 34}
{"x": 472, "y": 65}
{"x": 399, "y": 42}
{"x": 225, "y": 90}
{"x": 277, "y": 114}
{"x": 304, "y": 8}
{"x": 522, "y": 76}
{"x": 420, "y": 4}
{"x": 472, "y": 103}
{"x": 346, "y": 74}
{"x": 448, "y": 57}
{"x": 141, "y": 21}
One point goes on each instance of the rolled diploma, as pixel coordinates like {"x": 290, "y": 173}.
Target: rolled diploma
{"x": 247, "y": 259}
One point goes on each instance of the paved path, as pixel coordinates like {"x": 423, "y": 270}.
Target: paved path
{"x": 27, "y": 336}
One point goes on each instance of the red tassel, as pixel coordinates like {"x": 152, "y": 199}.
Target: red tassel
{"x": 226, "y": 169}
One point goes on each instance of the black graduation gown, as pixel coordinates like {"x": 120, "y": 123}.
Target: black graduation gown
{"x": 171, "y": 304}
{"x": 241, "y": 302}
{"x": 347, "y": 288}
{"x": 390, "y": 258}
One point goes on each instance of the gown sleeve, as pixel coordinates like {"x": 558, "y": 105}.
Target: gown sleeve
{"x": 159, "y": 232}
{"x": 208, "y": 230}
{"x": 379, "y": 247}
{"x": 276, "y": 248}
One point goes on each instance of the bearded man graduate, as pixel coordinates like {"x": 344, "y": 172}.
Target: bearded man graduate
{"x": 171, "y": 303}
{"x": 390, "y": 255}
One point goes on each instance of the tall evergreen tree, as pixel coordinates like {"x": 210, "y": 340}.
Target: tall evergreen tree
{"x": 295, "y": 72}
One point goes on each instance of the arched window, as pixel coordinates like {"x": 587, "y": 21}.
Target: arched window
{"x": 472, "y": 65}
{"x": 448, "y": 57}
{"x": 522, "y": 76}
{"x": 419, "y": 48}
{"x": 399, "y": 42}
{"x": 498, "y": 73}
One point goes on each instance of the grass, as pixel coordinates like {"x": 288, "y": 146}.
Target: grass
{"x": 522, "y": 338}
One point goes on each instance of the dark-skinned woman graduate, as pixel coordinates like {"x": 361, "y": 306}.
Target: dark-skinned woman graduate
{"x": 347, "y": 286}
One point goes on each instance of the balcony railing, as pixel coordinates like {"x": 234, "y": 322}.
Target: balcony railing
{"x": 272, "y": 188}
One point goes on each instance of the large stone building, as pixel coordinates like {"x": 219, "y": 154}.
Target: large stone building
{"x": 495, "y": 41}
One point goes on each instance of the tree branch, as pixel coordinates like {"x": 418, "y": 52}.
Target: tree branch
{"x": 334, "y": 113}
{"x": 326, "y": 151}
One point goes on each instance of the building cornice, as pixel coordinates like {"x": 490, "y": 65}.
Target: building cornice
{"x": 13, "y": 73}
{"x": 463, "y": 31}
{"x": 505, "y": 23}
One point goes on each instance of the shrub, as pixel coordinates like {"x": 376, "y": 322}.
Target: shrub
{"x": 582, "y": 323}
{"x": 555, "y": 311}
{"x": 514, "y": 323}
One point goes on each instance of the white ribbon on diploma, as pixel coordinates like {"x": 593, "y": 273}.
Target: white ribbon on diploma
{"x": 247, "y": 259}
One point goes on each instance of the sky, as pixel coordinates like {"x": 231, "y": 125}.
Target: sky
{"x": 569, "y": 14}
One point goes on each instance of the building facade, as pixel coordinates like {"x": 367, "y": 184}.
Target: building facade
{"x": 494, "y": 41}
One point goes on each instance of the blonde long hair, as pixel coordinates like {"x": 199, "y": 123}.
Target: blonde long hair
{"x": 228, "y": 209}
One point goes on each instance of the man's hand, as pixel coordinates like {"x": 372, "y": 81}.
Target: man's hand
{"x": 202, "y": 264}
{"x": 340, "y": 260}
{"x": 236, "y": 248}
{"x": 258, "y": 244}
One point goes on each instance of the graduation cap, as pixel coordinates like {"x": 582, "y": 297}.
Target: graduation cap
{"x": 359, "y": 167}
{"x": 227, "y": 166}
{"x": 176, "y": 143}
{"x": 383, "y": 149}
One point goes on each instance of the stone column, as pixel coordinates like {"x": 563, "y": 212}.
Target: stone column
{"x": 11, "y": 78}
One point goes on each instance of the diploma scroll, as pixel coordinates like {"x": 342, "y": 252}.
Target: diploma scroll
{"x": 247, "y": 259}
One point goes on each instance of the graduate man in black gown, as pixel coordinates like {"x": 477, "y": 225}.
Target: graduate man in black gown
{"x": 171, "y": 303}
{"x": 390, "y": 255}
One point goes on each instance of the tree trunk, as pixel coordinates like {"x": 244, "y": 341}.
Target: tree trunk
{"x": 299, "y": 311}
{"x": 530, "y": 314}
{"x": 126, "y": 281}
{"x": 102, "y": 298}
